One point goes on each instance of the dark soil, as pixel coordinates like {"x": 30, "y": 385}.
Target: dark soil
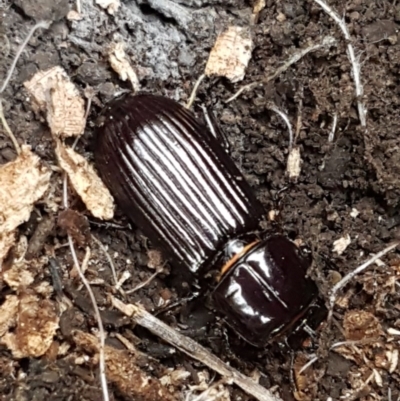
{"x": 359, "y": 170}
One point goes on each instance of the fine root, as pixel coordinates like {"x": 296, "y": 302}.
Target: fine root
{"x": 355, "y": 64}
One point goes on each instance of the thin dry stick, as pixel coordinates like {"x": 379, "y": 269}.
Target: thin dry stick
{"x": 285, "y": 118}
{"x": 351, "y": 275}
{"x": 333, "y": 129}
{"x": 194, "y": 91}
{"x": 308, "y": 364}
{"x": 40, "y": 24}
{"x": 327, "y": 41}
{"x": 350, "y": 343}
{"x": 299, "y": 120}
{"x": 194, "y": 350}
{"x": 126, "y": 275}
{"x": 355, "y": 65}
{"x": 109, "y": 258}
{"x": 8, "y": 129}
{"x": 85, "y": 261}
{"x": 88, "y": 105}
{"x": 393, "y": 332}
{"x": 145, "y": 282}
{"x": 102, "y": 363}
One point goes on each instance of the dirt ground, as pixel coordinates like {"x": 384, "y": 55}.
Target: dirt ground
{"x": 348, "y": 188}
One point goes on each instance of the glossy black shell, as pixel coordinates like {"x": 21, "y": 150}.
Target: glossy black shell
{"x": 173, "y": 179}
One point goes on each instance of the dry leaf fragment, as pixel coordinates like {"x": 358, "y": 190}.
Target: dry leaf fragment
{"x": 174, "y": 377}
{"x": 215, "y": 392}
{"x": 293, "y": 167}
{"x": 393, "y": 332}
{"x": 22, "y": 272}
{"x": 303, "y": 378}
{"x": 257, "y": 8}
{"x": 86, "y": 182}
{"x": 19, "y": 275}
{"x": 156, "y": 260}
{"x": 54, "y": 92}
{"x": 340, "y": 245}
{"x": 385, "y": 357}
{"x": 74, "y": 16}
{"x": 37, "y": 323}
{"x": 231, "y": 54}
{"x": 76, "y": 225}
{"x": 8, "y": 313}
{"x": 360, "y": 325}
{"x": 394, "y": 360}
{"x": 378, "y": 378}
{"x": 111, "y": 5}
{"x": 120, "y": 63}
{"x": 7, "y": 240}
{"x": 22, "y": 182}
{"x": 124, "y": 373}
{"x": 354, "y": 213}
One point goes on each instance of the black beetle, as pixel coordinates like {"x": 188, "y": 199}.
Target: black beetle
{"x": 171, "y": 175}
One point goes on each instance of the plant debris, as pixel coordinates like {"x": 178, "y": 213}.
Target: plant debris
{"x": 36, "y": 325}
{"x": 110, "y": 5}
{"x": 340, "y": 245}
{"x": 123, "y": 371}
{"x": 23, "y": 182}
{"x": 120, "y": 63}
{"x": 231, "y": 54}
{"x": 54, "y": 93}
{"x": 86, "y": 182}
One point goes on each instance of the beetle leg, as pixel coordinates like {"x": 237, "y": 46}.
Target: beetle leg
{"x": 215, "y": 129}
{"x": 309, "y": 331}
{"x": 179, "y": 302}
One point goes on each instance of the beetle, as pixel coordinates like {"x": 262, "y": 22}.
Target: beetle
{"x": 172, "y": 176}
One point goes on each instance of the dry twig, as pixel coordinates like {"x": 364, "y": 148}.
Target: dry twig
{"x": 194, "y": 350}
{"x": 355, "y": 65}
{"x": 194, "y": 91}
{"x": 285, "y": 118}
{"x": 145, "y": 282}
{"x": 102, "y": 364}
{"x": 333, "y": 129}
{"x": 108, "y": 256}
{"x": 327, "y": 41}
{"x": 351, "y": 275}
{"x": 308, "y": 364}
{"x": 125, "y": 374}
{"x": 40, "y": 24}
{"x": 8, "y": 129}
